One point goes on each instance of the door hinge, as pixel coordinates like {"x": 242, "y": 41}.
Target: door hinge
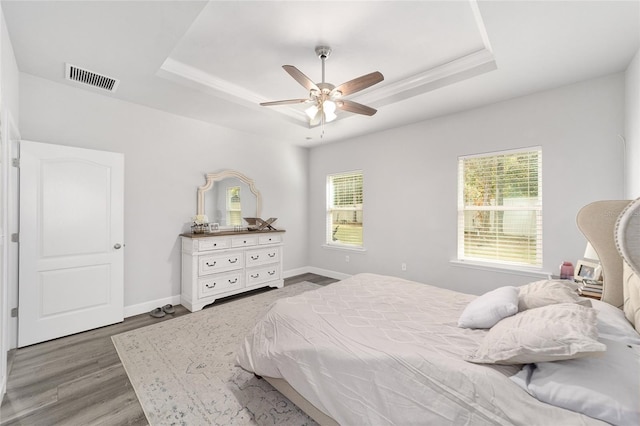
{"x": 15, "y": 162}
{"x": 15, "y": 238}
{"x": 14, "y": 312}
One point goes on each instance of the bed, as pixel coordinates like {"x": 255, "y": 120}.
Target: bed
{"x": 379, "y": 350}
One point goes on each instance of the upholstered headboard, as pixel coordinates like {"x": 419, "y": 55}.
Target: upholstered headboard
{"x": 597, "y": 222}
{"x": 627, "y": 237}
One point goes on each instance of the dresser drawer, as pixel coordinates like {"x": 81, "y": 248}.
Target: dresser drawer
{"x": 206, "y": 244}
{"x": 262, "y": 275}
{"x": 262, "y": 256}
{"x": 220, "y": 283}
{"x": 213, "y": 264}
{"x": 269, "y": 239}
{"x": 244, "y": 241}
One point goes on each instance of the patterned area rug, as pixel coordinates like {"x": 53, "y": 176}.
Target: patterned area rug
{"x": 184, "y": 371}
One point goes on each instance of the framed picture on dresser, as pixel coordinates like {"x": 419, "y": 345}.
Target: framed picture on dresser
{"x": 586, "y": 270}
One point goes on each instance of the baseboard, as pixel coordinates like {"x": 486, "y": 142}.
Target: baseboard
{"x": 145, "y": 307}
{"x": 293, "y": 272}
{"x": 313, "y": 270}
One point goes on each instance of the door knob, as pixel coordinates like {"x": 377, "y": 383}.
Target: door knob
{"x": 117, "y": 246}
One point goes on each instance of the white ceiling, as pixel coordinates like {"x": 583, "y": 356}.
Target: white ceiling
{"x": 215, "y": 61}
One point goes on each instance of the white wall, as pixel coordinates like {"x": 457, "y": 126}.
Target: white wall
{"x": 632, "y": 129}
{"x": 9, "y": 74}
{"x": 416, "y": 167}
{"x": 166, "y": 157}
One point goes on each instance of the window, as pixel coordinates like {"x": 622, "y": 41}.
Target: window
{"x": 234, "y": 212}
{"x": 500, "y": 207}
{"x": 344, "y": 209}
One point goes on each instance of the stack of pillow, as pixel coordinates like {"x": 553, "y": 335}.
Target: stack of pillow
{"x": 581, "y": 354}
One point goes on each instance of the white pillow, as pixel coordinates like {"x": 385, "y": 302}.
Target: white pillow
{"x": 612, "y": 324}
{"x": 549, "y": 292}
{"x": 491, "y": 307}
{"x": 554, "y": 332}
{"x": 606, "y": 387}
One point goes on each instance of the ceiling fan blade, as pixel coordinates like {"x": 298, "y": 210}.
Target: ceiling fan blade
{"x": 285, "y": 102}
{"x": 355, "y": 107}
{"x": 359, "y": 83}
{"x": 305, "y": 81}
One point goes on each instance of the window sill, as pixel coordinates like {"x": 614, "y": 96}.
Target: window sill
{"x": 505, "y": 269}
{"x": 343, "y": 248}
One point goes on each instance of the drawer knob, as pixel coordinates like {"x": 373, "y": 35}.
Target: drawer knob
{"x": 211, "y": 264}
{"x": 255, "y": 276}
{"x": 233, "y": 281}
{"x": 233, "y": 261}
{"x": 255, "y": 257}
{"x": 210, "y": 286}
{"x": 271, "y": 272}
{"x": 272, "y": 255}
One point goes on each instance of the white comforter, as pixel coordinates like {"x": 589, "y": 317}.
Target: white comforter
{"x": 379, "y": 350}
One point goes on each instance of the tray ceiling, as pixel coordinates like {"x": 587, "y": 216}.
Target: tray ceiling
{"x": 215, "y": 61}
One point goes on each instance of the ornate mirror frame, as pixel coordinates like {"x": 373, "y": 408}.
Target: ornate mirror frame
{"x": 211, "y": 178}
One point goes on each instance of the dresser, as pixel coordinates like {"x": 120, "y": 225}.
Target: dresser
{"x": 227, "y": 263}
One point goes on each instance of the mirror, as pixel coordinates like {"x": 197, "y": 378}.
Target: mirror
{"x": 227, "y": 197}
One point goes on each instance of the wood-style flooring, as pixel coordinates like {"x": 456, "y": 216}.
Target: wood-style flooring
{"x": 79, "y": 379}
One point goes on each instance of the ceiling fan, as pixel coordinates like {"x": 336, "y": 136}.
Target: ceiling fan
{"x": 325, "y": 97}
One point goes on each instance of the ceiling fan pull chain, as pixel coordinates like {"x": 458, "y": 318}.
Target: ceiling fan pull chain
{"x": 322, "y": 111}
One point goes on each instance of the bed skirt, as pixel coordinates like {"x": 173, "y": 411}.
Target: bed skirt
{"x": 284, "y": 388}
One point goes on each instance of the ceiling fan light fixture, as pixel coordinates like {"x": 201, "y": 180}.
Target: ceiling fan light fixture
{"x": 329, "y": 107}
{"x": 316, "y": 120}
{"x": 329, "y": 110}
{"x": 329, "y": 117}
{"x": 311, "y": 111}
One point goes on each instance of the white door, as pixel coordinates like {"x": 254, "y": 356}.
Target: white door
{"x": 71, "y": 239}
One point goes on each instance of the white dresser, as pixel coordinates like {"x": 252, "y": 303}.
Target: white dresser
{"x": 226, "y": 263}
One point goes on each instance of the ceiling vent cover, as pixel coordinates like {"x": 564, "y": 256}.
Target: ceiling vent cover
{"x": 91, "y": 78}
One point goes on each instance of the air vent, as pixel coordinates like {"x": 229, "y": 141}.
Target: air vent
{"x": 91, "y": 78}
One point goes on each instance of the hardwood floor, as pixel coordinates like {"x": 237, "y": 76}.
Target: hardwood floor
{"x": 79, "y": 379}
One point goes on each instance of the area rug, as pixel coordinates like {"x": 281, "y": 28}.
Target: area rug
{"x": 184, "y": 371}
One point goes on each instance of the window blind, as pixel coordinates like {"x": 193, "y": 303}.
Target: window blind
{"x": 345, "y": 199}
{"x": 500, "y": 207}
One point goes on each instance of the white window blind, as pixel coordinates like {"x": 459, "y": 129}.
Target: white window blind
{"x": 500, "y": 207}
{"x": 344, "y": 209}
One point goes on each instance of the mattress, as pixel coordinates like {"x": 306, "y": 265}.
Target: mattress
{"x": 380, "y": 350}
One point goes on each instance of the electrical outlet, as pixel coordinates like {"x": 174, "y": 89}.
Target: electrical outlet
{"x": 346, "y": 258}
{"x": 404, "y": 266}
